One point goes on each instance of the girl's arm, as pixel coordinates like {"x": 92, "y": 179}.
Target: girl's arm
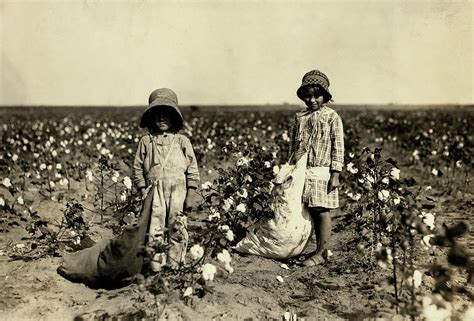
{"x": 138, "y": 172}
{"x": 337, "y": 142}
{"x": 337, "y": 152}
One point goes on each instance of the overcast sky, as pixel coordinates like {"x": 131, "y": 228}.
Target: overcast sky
{"x": 234, "y": 52}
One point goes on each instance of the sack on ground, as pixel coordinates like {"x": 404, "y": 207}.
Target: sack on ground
{"x": 110, "y": 261}
{"x": 287, "y": 234}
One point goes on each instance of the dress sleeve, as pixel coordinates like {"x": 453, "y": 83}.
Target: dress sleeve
{"x": 337, "y": 142}
{"x": 138, "y": 171}
{"x": 192, "y": 172}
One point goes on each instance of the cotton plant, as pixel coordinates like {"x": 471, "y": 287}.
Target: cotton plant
{"x": 390, "y": 223}
{"x": 232, "y": 202}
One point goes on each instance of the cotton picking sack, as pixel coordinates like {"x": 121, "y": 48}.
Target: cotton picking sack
{"x": 111, "y": 261}
{"x": 287, "y": 234}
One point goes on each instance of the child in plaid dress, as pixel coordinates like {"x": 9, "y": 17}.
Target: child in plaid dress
{"x": 166, "y": 166}
{"x": 318, "y": 131}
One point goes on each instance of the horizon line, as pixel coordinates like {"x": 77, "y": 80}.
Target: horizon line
{"x": 239, "y": 105}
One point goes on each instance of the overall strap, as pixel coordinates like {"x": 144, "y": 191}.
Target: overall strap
{"x": 169, "y": 150}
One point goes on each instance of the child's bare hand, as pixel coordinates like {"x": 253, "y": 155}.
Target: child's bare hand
{"x": 333, "y": 182}
{"x": 144, "y": 193}
{"x": 189, "y": 200}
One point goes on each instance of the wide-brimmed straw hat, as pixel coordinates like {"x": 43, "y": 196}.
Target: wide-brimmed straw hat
{"x": 313, "y": 78}
{"x": 159, "y": 100}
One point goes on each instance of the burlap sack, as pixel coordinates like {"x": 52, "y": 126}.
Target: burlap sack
{"x": 111, "y": 261}
{"x": 287, "y": 234}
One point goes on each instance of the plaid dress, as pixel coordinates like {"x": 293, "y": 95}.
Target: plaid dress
{"x": 321, "y": 134}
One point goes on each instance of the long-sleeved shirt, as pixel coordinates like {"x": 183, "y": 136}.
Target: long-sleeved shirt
{"x": 327, "y": 143}
{"x": 149, "y": 152}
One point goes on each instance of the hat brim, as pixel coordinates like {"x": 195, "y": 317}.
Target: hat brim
{"x": 176, "y": 117}
{"x": 326, "y": 94}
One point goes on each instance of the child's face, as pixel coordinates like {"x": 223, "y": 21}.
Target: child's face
{"x": 313, "y": 97}
{"x": 161, "y": 121}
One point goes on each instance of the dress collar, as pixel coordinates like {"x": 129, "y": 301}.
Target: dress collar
{"x": 307, "y": 112}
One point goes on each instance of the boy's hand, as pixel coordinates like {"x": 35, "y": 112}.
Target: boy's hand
{"x": 143, "y": 192}
{"x": 333, "y": 182}
{"x": 189, "y": 200}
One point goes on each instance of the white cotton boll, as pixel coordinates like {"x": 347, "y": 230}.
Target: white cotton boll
{"x": 214, "y": 214}
{"x": 207, "y": 185}
{"x": 276, "y": 170}
{"x": 63, "y": 181}
{"x": 230, "y": 235}
{"x": 432, "y": 312}
{"x": 426, "y": 241}
{"x": 208, "y": 271}
{"x": 224, "y": 257}
{"x": 196, "y": 251}
{"x": 20, "y": 200}
{"x": 123, "y": 196}
{"x": 383, "y": 195}
{"x": 242, "y": 193}
{"x": 2, "y": 202}
{"x": 385, "y": 180}
{"x": 351, "y": 168}
{"x": 14, "y": 157}
{"x": 428, "y": 219}
{"x": 59, "y": 166}
{"x": 89, "y": 175}
{"x": 396, "y": 200}
{"x": 42, "y": 167}
{"x": 241, "y": 208}
{"x": 229, "y": 268}
{"x": 227, "y": 204}
{"x": 54, "y": 153}
{"x": 127, "y": 182}
{"x": 224, "y": 228}
{"x": 280, "y": 279}
{"x": 468, "y": 314}
{"x": 52, "y": 184}
{"x": 242, "y": 161}
{"x": 417, "y": 278}
{"x": 6, "y": 182}
{"x": 369, "y": 178}
{"x": 188, "y": 291}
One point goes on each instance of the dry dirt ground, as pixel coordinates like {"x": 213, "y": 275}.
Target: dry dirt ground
{"x": 340, "y": 289}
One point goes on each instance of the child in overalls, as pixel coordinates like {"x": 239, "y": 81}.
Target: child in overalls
{"x": 318, "y": 131}
{"x": 166, "y": 166}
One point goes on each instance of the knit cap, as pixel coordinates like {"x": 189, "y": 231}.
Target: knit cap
{"x": 312, "y": 78}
